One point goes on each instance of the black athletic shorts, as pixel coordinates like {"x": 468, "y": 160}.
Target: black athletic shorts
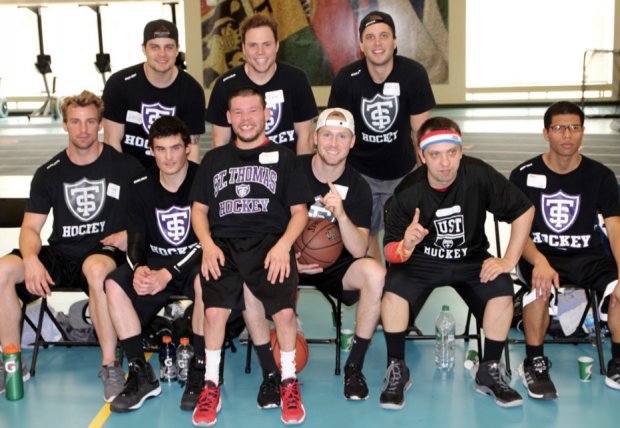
{"x": 245, "y": 263}
{"x": 415, "y": 279}
{"x": 590, "y": 271}
{"x": 330, "y": 280}
{"x": 147, "y": 307}
{"x": 64, "y": 270}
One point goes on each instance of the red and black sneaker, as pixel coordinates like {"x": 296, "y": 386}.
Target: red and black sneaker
{"x": 293, "y": 412}
{"x": 209, "y": 404}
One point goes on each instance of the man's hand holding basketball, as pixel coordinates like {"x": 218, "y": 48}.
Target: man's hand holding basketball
{"x": 415, "y": 233}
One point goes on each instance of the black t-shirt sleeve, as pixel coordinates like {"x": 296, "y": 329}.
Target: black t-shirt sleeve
{"x": 420, "y": 93}
{"x": 506, "y": 201}
{"x": 339, "y": 96}
{"x": 398, "y": 220}
{"x": 218, "y": 104}
{"x": 296, "y": 188}
{"x": 608, "y": 195}
{"x": 361, "y": 212}
{"x": 304, "y": 107}
{"x": 40, "y": 201}
{"x": 195, "y": 115}
{"x": 200, "y": 192}
{"x": 114, "y": 101}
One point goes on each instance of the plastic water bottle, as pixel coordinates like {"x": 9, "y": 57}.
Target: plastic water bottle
{"x": 167, "y": 360}
{"x": 589, "y": 327}
{"x": 444, "y": 339}
{"x": 184, "y": 356}
{"x": 12, "y": 367}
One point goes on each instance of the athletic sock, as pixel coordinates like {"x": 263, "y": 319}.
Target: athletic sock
{"x": 132, "y": 346}
{"x": 492, "y": 350}
{"x": 199, "y": 346}
{"x": 395, "y": 343}
{"x": 212, "y": 365}
{"x": 267, "y": 361}
{"x": 615, "y": 350}
{"x": 289, "y": 367}
{"x": 532, "y": 351}
{"x": 358, "y": 352}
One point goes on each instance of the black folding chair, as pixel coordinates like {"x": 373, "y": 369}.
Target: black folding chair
{"x": 592, "y": 303}
{"x": 336, "y": 304}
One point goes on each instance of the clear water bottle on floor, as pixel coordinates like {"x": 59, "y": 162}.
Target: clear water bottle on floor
{"x": 167, "y": 360}
{"x": 589, "y": 327}
{"x": 444, "y": 339}
{"x": 185, "y": 352}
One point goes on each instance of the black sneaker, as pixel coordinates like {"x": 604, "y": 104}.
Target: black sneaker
{"x": 194, "y": 384}
{"x": 355, "y": 387}
{"x": 395, "y": 383}
{"x": 269, "y": 393}
{"x": 537, "y": 380}
{"x": 491, "y": 380}
{"x": 141, "y": 385}
{"x": 613, "y": 374}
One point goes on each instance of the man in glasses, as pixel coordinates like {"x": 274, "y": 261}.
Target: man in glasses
{"x": 567, "y": 189}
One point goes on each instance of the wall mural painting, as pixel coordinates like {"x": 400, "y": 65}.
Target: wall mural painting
{"x": 321, "y": 36}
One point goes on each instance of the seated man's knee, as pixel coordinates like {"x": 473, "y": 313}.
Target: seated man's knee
{"x": 95, "y": 269}
{"x": 286, "y": 315}
{"x": 503, "y": 302}
{"x": 375, "y": 277}
{"x": 11, "y": 272}
{"x": 214, "y": 316}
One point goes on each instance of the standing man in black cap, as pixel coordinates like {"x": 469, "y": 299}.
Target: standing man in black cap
{"x": 390, "y": 96}
{"x": 137, "y": 96}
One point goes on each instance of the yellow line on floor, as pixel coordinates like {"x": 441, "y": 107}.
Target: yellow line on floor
{"x": 103, "y": 414}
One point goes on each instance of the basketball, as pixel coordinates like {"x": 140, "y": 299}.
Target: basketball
{"x": 301, "y": 348}
{"x": 320, "y": 243}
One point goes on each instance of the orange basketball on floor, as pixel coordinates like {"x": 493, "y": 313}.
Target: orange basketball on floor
{"x": 301, "y": 348}
{"x": 320, "y": 243}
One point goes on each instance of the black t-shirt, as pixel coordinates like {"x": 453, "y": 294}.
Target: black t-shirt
{"x": 162, "y": 217}
{"x": 288, "y": 94}
{"x": 454, "y": 218}
{"x": 130, "y": 99}
{"x": 355, "y": 192}
{"x": 567, "y": 204}
{"x": 249, "y": 192}
{"x": 88, "y": 201}
{"x": 382, "y": 112}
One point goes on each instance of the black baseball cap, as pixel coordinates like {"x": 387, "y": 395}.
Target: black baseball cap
{"x": 377, "y": 17}
{"x": 160, "y": 29}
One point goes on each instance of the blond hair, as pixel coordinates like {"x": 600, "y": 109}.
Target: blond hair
{"x": 85, "y": 99}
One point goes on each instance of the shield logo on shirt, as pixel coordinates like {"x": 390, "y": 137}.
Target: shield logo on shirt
{"x": 450, "y": 231}
{"x": 85, "y": 198}
{"x": 380, "y": 113}
{"x": 174, "y": 223}
{"x": 242, "y": 190}
{"x": 151, "y": 112}
{"x": 560, "y": 210}
{"x": 275, "y": 118}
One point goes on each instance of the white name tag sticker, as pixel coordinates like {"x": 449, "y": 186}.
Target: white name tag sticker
{"x": 537, "y": 180}
{"x": 274, "y": 97}
{"x": 445, "y": 212}
{"x": 269, "y": 158}
{"x": 391, "y": 89}
{"x": 114, "y": 190}
{"x": 343, "y": 190}
{"x": 134, "y": 117}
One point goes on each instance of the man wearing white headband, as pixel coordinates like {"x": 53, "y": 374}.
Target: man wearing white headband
{"x": 434, "y": 236}
{"x": 342, "y": 196}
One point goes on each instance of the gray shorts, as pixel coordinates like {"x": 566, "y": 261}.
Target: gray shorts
{"x": 382, "y": 190}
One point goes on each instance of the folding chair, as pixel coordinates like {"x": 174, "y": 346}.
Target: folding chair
{"x": 592, "y": 302}
{"x": 336, "y": 304}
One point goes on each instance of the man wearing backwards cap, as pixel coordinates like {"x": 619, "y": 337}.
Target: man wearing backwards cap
{"x": 390, "y": 96}
{"x": 137, "y": 96}
{"x": 342, "y": 196}
{"x": 434, "y": 236}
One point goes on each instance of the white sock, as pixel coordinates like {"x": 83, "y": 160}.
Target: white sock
{"x": 289, "y": 366}
{"x": 212, "y": 365}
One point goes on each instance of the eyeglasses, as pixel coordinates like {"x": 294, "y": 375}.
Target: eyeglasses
{"x": 560, "y": 129}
